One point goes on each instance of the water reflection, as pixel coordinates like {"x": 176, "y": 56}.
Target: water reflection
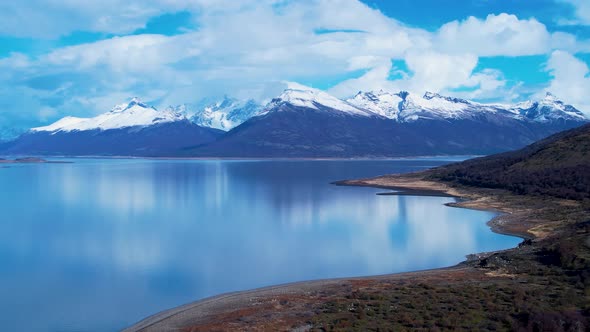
{"x": 126, "y": 238}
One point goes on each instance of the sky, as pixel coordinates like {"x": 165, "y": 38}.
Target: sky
{"x": 80, "y": 58}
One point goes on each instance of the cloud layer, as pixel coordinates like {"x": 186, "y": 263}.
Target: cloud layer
{"x": 244, "y": 48}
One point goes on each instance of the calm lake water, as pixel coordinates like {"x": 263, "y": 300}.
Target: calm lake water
{"x": 99, "y": 244}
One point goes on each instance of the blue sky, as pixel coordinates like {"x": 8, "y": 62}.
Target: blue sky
{"x": 80, "y": 58}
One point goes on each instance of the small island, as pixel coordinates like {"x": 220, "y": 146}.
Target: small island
{"x": 30, "y": 160}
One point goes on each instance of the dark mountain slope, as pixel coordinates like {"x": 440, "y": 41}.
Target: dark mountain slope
{"x": 157, "y": 140}
{"x": 299, "y": 132}
{"x": 557, "y": 166}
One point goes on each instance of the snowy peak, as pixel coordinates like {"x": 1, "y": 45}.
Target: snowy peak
{"x": 224, "y": 114}
{"x": 227, "y": 113}
{"x": 297, "y": 95}
{"x": 379, "y": 102}
{"x": 551, "y": 99}
{"x": 435, "y": 106}
{"x": 406, "y": 107}
{"x": 431, "y": 95}
{"x": 550, "y": 108}
{"x": 131, "y": 114}
{"x": 135, "y": 102}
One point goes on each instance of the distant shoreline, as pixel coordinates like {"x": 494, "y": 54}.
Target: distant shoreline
{"x": 262, "y": 158}
{"x": 31, "y": 160}
{"x": 214, "y": 311}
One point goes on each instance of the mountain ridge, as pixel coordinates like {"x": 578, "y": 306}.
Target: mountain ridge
{"x": 307, "y": 122}
{"x": 402, "y": 106}
{"x": 131, "y": 114}
{"x": 224, "y": 114}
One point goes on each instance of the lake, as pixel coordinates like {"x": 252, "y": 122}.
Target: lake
{"x": 99, "y": 244}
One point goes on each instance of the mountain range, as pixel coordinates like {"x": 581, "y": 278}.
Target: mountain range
{"x": 305, "y": 122}
{"x": 130, "y": 129}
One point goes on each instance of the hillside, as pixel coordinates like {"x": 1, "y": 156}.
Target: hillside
{"x": 557, "y": 166}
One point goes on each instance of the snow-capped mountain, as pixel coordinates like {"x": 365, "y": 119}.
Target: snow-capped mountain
{"x": 547, "y": 109}
{"x": 129, "y": 129}
{"x": 306, "y": 122}
{"x": 379, "y": 102}
{"x": 224, "y": 114}
{"x": 297, "y": 95}
{"x": 131, "y": 114}
{"x": 405, "y": 107}
{"x": 435, "y": 106}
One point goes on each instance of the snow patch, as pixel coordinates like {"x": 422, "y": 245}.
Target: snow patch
{"x": 134, "y": 113}
{"x": 303, "y": 96}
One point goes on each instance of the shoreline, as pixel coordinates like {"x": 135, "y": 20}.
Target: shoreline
{"x": 209, "y": 310}
{"x": 32, "y": 161}
{"x": 272, "y": 290}
{"x": 458, "y": 157}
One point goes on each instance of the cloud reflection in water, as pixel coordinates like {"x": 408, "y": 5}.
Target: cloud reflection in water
{"x": 130, "y": 237}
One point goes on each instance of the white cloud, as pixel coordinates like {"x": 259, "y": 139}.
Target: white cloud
{"x": 374, "y": 79}
{"x": 570, "y": 79}
{"x": 125, "y": 54}
{"x": 236, "y": 49}
{"x": 446, "y": 59}
{"x": 15, "y": 60}
{"x": 436, "y": 71}
{"x": 54, "y": 18}
{"x": 581, "y": 12}
{"x": 489, "y": 84}
{"x": 244, "y": 48}
{"x": 496, "y": 35}
{"x": 431, "y": 71}
{"x": 51, "y": 18}
{"x": 366, "y": 61}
